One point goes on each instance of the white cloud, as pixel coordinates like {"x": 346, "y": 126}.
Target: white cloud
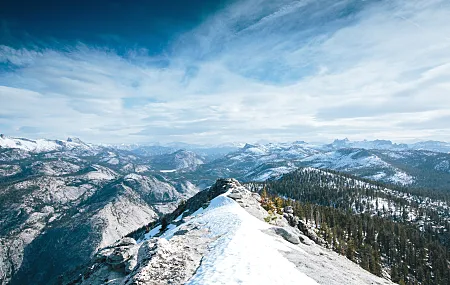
{"x": 277, "y": 70}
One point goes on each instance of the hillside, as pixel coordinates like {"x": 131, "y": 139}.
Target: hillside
{"x": 62, "y": 202}
{"x": 401, "y": 233}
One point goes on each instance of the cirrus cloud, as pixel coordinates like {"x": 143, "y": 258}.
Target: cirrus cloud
{"x": 283, "y": 70}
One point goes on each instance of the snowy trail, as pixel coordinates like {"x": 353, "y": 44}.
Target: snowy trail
{"x": 242, "y": 254}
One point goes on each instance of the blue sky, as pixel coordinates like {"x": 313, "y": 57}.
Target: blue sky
{"x": 222, "y": 71}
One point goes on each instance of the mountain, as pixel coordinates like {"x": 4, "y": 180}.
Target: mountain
{"x": 178, "y": 160}
{"x": 53, "y": 192}
{"x": 222, "y": 236}
{"x": 61, "y": 201}
{"x": 407, "y": 167}
{"x": 42, "y": 145}
{"x": 435, "y": 146}
{"x": 418, "y": 168}
{"x": 207, "y": 152}
{"x": 258, "y": 162}
{"x": 365, "y": 144}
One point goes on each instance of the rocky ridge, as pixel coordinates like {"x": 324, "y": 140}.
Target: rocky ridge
{"x": 181, "y": 250}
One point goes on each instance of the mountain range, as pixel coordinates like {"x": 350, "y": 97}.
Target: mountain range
{"x": 63, "y": 200}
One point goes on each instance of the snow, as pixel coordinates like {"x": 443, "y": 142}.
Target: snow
{"x": 98, "y": 175}
{"x": 443, "y": 166}
{"x": 28, "y": 145}
{"x": 275, "y": 172}
{"x": 339, "y": 160}
{"x": 177, "y": 219}
{"x": 198, "y": 212}
{"x": 402, "y": 178}
{"x": 101, "y": 173}
{"x": 40, "y": 145}
{"x": 241, "y": 253}
{"x": 153, "y": 232}
{"x": 141, "y": 168}
{"x": 378, "y": 176}
{"x": 113, "y": 161}
{"x": 255, "y": 150}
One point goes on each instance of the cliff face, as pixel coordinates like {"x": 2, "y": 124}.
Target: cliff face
{"x": 63, "y": 219}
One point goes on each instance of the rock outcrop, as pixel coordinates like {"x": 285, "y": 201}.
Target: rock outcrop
{"x": 311, "y": 234}
{"x": 289, "y": 216}
{"x": 288, "y": 234}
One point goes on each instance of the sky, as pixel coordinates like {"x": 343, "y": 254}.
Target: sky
{"x": 225, "y": 71}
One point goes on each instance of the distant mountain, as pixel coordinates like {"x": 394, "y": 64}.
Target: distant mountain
{"x": 397, "y": 165}
{"x": 420, "y": 168}
{"x": 43, "y": 145}
{"x": 178, "y": 160}
{"x": 435, "y": 146}
{"x": 376, "y": 144}
{"x": 208, "y": 152}
{"x": 258, "y": 162}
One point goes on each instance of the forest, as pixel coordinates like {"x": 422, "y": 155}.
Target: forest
{"x": 395, "y": 233}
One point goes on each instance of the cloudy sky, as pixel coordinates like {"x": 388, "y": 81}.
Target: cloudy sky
{"x": 221, "y": 71}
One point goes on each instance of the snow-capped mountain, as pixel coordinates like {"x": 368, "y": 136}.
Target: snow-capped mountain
{"x": 178, "y": 160}
{"x": 221, "y": 236}
{"x": 361, "y": 162}
{"x": 258, "y": 162}
{"x": 435, "y": 146}
{"x": 253, "y": 162}
{"x": 420, "y": 168}
{"x": 43, "y": 145}
{"x": 365, "y": 144}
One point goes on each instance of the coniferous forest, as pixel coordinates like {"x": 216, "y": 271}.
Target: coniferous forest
{"x": 397, "y": 233}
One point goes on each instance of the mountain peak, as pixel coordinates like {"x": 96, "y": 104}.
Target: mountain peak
{"x": 75, "y": 140}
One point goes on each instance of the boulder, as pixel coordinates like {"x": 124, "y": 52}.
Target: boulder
{"x": 288, "y": 235}
{"x": 305, "y": 240}
{"x": 310, "y": 233}
{"x": 126, "y": 241}
{"x": 257, "y": 197}
{"x": 130, "y": 264}
{"x": 302, "y": 226}
{"x": 288, "y": 210}
{"x": 235, "y": 195}
{"x": 118, "y": 256}
{"x": 292, "y": 220}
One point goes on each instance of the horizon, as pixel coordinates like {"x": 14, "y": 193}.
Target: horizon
{"x": 225, "y": 71}
{"x": 225, "y": 144}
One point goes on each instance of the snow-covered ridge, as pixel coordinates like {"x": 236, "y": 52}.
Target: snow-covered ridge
{"x": 41, "y": 145}
{"x": 234, "y": 244}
